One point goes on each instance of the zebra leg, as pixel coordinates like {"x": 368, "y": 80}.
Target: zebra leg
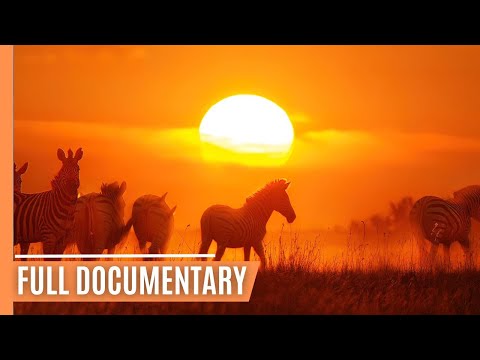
{"x": 433, "y": 254}
{"x": 246, "y": 252}
{"x": 49, "y": 245}
{"x": 468, "y": 254}
{"x": 220, "y": 251}
{"x": 205, "y": 246}
{"x": 422, "y": 252}
{"x": 446, "y": 255}
{"x": 60, "y": 246}
{"x": 258, "y": 247}
{"x": 24, "y": 247}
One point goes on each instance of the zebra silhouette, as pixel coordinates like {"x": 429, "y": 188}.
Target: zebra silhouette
{"x": 245, "y": 226}
{"x": 153, "y": 222}
{"x": 17, "y": 189}
{"x": 47, "y": 216}
{"x": 445, "y": 221}
{"x": 98, "y": 220}
{"x": 17, "y": 176}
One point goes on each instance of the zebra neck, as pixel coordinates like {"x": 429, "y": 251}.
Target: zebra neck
{"x": 64, "y": 195}
{"x": 469, "y": 205}
{"x": 260, "y": 209}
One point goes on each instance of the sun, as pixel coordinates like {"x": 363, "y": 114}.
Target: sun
{"x": 248, "y": 129}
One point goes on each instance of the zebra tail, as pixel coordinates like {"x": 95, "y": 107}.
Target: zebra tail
{"x": 206, "y": 234}
{"x": 90, "y": 226}
{"x": 127, "y": 227}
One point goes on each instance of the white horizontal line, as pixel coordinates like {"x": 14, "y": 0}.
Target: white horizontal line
{"x": 111, "y": 256}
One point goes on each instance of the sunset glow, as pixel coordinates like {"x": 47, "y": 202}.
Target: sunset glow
{"x": 346, "y": 172}
{"x": 372, "y": 124}
{"x": 249, "y": 125}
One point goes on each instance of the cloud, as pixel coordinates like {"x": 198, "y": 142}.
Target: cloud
{"x": 300, "y": 118}
{"x": 311, "y": 150}
{"x": 358, "y": 148}
{"x": 172, "y": 143}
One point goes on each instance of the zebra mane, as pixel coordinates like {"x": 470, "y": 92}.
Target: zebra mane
{"x": 55, "y": 182}
{"x": 275, "y": 185}
{"x": 111, "y": 190}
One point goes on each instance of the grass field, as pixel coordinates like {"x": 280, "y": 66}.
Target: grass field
{"x": 293, "y": 291}
{"x": 325, "y": 275}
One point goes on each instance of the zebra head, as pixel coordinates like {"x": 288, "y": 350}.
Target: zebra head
{"x": 69, "y": 175}
{"x": 281, "y": 201}
{"x": 115, "y": 193}
{"x": 17, "y": 176}
{"x": 469, "y": 197}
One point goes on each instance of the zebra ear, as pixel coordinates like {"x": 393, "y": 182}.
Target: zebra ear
{"x": 23, "y": 168}
{"x": 61, "y": 155}
{"x": 78, "y": 154}
{"x": 123, "y": 187}
{"x": 164, "y": 196}
{"x": 287, "y": 184}
{"x": 172, "y": 211}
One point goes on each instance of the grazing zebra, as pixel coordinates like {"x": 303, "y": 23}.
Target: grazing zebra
{"x": 47, "y": 216}
{"x": 17, "y": 176}
{"x": 245, "y": 226}
{"x": 98, "y": 220}
{"x": 152, "y": 221}
{"x": 442, "y": 221}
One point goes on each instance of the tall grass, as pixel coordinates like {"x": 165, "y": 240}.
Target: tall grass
{"x": 321, "y": 273}
{"x": 288, "y": 250}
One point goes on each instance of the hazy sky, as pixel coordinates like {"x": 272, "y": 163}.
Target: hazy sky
{"x": 372, "y": 123}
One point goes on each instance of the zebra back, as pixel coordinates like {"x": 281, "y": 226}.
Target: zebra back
{"x": 98, "y": 219}
{"x": 152, "y": 221}
{"x": 97, "y": 224}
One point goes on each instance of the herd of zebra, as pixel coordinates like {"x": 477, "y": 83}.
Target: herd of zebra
{"x": 95, "y": 221}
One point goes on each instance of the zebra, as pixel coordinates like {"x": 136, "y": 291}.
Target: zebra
{"x": 245, "y": 226}
{"x": 17, "y": 176}
{"x": 17, "y": 188}
{"x": 153, "y": 221}
{"x": 445, "y": 221}
{"x": 47, "y": 216}
{"x": 98, "y": 220}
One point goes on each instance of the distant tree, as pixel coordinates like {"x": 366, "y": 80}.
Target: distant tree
{"x": 399, "y": 213}
{"x": 395, "y": 219}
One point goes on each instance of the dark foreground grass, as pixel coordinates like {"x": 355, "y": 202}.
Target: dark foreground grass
{"x": 292, "y": 291}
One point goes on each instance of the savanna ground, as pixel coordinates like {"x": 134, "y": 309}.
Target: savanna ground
{"x": 329, "y": 272}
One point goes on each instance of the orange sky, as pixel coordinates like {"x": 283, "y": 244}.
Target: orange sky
{"x": 372, "y": 123}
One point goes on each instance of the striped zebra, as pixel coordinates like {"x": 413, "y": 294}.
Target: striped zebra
{"x": 47, "y": 216}
{"x": 17, "y": 176}
{"x": 98, "y": 220}
{"x": 444, "y": 221}
{"x": 17, "y": 189}
{"x": 153, "y": 221}
{"x": 245, "y": 226}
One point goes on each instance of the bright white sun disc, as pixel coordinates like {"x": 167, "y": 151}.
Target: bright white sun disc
{"x": 247, "y": 124}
